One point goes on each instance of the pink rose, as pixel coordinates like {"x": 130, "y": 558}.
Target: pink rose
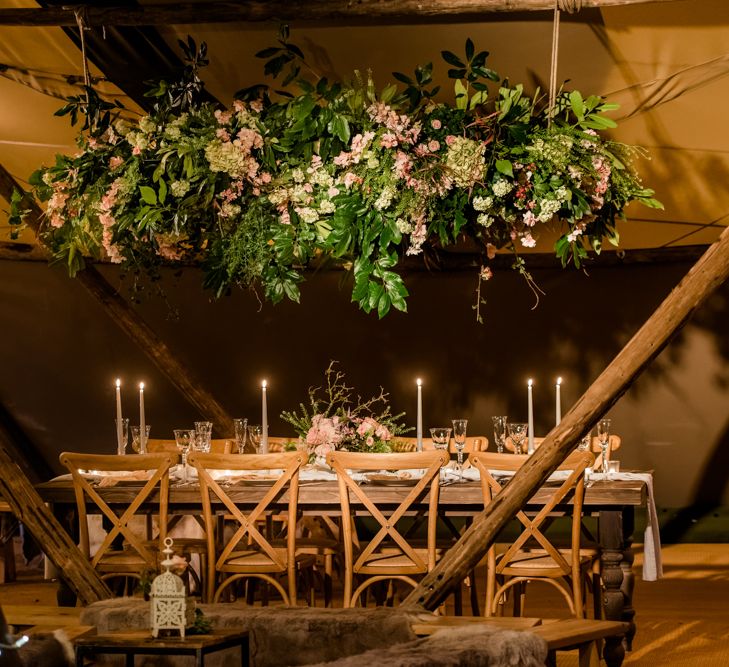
{"x": 450, "y": 139}
{"x": 435, "y": 124}
{"x": 433, "y": 145}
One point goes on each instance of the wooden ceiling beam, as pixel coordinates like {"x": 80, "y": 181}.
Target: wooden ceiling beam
{"x": 262, "y": 10}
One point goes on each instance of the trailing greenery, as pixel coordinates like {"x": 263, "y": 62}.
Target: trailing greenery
{"x": 339, "y": 171}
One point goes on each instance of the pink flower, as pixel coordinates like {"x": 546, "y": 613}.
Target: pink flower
{"x": 486, "y": 273}
{"x": 490, "y": 250}
{"x": 223, "y": 117}
{"x": 107, "y": 220}
{"x": 115, "y": 162}
{"x": 285, "y": 217}
{"x": 257, "y": 105}
{"x": 56, "y": 220}
{"x": 343, "y": 159}
{"x": 433, "y": 145}
{"x": 239, "y": 105}
{"x": 388, "y": 140}
{"x": 350, "y": 179}
{"x": 370, "y": 441}
{"x": 450, "y": 139}
{"x": 222, "y": 134}
{"x": 332, "y": 191}
{"x": 530, "y": 219}
{"x": 402, "y": 165}
{"x": 435, "y": 124}
{"x": 528, "y": 241}
{"x": 136, "y": 150}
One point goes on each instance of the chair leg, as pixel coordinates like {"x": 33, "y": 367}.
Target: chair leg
{"x": 475, "y": 610}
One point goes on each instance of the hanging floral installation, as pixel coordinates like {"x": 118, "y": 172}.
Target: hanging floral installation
{"x": 349, "y": 172}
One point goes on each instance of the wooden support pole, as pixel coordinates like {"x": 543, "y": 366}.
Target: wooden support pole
{"x": 55, "y": 542}
{"x": 703, "y": 278}
{"x": 264, "y": 10}
{"x": 131, "y": 322}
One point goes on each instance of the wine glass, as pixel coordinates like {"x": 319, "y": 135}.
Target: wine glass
{"x": 603, "y": 437}
{"x": 585, "y": 443}
{"x": 203, "y": 432}
{"x": 241, "y": 433}
{"x": 136, "y": 444}
{"x": 459, "y": 436}
{"x": 122, "y": 435}
{"x": 255, "y": 433}
{"x": 184, "y": 438}
{"x": 517, "y": 433}
{"x": 500, "y": 432}
{"x": 441, "y": 437}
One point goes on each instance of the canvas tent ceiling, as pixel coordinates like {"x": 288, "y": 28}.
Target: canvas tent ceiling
{"x": 667, "y": 65}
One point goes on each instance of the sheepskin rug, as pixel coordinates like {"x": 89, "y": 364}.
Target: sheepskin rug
{"x": 473, "y": 646}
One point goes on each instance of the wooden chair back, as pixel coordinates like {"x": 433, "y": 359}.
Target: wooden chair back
{"x": 249, "y": 522}
{"x": 533, "y": 526}
{"x": 615, "y": 441}
{"x": 474, "y": 443}
{"x": 217, "y": 446}
{"x": 388, "y": 535}
{"x": 157, "y": 464}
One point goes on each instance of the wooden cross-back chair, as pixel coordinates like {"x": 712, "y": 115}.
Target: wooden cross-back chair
{"x": 138, "y": 553}
{"x": 217, "y": 445}
{"x": 248, "y": 553}
{"x": 388, "y": 555}
{"x": 474, "y": 443}
{"x": 523, "y": 562}
{"x": 614, "y": 444}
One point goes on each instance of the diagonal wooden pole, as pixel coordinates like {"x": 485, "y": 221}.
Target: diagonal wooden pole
{"x": 133, "y": 325}
{"x": 703, "y": 278}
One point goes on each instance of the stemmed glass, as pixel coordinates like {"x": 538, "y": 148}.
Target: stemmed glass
{"x": 441, "y": 437}
{"x": 459, "y": 436}
{"x": 122, "y": 436}
{"x": 585, "y": 443}
{"x": 517, "y": 433}
{"x": 241, "y": 433}
{"x": 254, "y": 434}
{"x": 137, "y": 445}
{"x": 500, "y": 432}
{"x": 184, "y": 438}
{"x": 603, "y": 437}
{"x": 203, "y": 432}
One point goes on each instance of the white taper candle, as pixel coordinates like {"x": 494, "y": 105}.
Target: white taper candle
{"x": 530, "y": 445}
{"x": 264, "y": 419}
{"x": 558, "y": 402}
{"x": 419, "y": 423}
{"x": 119, "y": 429}
{"x": 142, "y": 422}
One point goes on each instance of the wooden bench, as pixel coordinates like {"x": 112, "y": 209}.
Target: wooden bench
{"x": 560, "y": 634}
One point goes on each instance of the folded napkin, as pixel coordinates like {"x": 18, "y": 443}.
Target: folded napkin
{"x": 121, "y": 476}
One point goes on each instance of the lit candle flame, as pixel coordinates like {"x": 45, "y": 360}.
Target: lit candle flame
{"x": 530, "y": 382}
{"x": 118, "y": 383}
{"x": 264, "y": 384}
{"x": 559, "y": 380}
{"x": 141, "y": 386}
{"x": 419, "y": 382}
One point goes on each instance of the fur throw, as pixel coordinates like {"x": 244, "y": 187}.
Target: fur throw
{"x": 472, "y": 646}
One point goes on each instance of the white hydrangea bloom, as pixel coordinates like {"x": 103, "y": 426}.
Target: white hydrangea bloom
{"x": 482, "y": 203}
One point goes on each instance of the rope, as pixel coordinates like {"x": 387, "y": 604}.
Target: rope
{"x": 81, "y": 29}
{"x": 569, "y": 6}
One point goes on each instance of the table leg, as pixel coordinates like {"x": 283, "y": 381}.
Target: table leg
{"x": 628, "y": 575}
{"x": 611, "y": 541}
{"x": 129, "y": 662}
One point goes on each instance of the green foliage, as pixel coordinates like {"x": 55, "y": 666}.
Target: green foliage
{"x": 321, "y": 171}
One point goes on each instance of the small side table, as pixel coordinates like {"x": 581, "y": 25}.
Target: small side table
{"x": 142, "y": 643}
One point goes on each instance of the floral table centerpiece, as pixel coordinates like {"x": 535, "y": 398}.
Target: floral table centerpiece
{"x": 337, "y": 420}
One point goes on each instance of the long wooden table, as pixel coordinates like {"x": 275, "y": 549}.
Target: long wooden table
{"x": 612, "y": 501}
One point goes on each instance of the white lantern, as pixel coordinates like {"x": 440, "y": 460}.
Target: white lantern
{"x": 169, "y": 601}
